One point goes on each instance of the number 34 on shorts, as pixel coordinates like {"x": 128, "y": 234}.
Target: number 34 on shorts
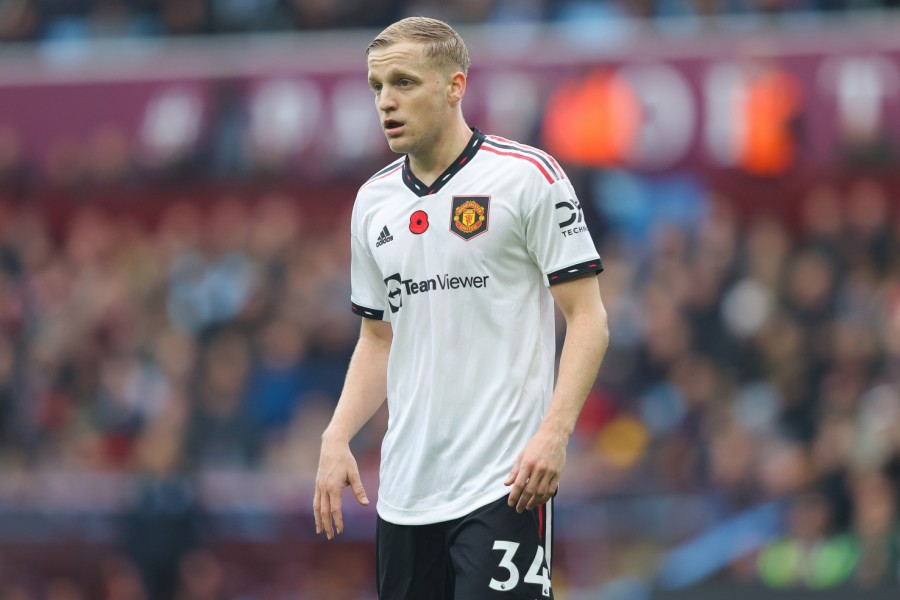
{"x": 537, "y": 573}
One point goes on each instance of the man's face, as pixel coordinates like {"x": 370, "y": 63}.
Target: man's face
{"x": 412, "y": 98}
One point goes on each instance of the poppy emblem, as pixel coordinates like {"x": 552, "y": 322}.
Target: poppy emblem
{"x": 418, "y": 222}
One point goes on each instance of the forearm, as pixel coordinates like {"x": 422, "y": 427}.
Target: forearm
{"x": 365, "y": 389}
{"x": 586, "y": 340}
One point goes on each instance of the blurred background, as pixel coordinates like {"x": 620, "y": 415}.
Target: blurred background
{"x": 175, "y": 184}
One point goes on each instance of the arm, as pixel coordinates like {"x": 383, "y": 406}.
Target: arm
{"x": 365, "y": 389}
{"x": 537, "y": 470}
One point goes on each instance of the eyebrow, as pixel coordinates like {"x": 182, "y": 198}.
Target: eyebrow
{"x": 394, "y": 73}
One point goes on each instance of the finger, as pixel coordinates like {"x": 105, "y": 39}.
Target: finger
{"x": 325, "y": 515}
{"x": 538, "y": 500}
{"x": 525, "y": 501}
{"x": 532, "y": 500}
{"x": 554, "y": 485}
{"x": 536, "y": 476}
{"x": 317, "y": 504}
{"x": 515, "y": 471}
{"x": 358, "y": 490}
{"x": 542, "y": 492}
{"x": 551, "y": 489}
{"x": 336, "y": 511}
{"x": 520, "y": 487}
{"x": 539, "y": 483}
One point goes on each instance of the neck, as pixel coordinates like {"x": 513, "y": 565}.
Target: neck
{"x": 428, "y": 167}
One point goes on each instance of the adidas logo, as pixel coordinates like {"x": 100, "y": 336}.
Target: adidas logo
{"x": 384, "y": 237}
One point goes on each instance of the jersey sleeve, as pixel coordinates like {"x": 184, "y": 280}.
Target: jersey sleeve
{"x": 368, "y": 294}
{"x": 557, "y": 236}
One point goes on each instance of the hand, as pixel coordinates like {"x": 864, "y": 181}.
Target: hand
{"x": 535, "y": 476}
{"x": 337, "y": 470}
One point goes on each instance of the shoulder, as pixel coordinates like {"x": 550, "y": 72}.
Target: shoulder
{"x": 524, "y": 158}
{"x": 384, "y": 175}
{"x": 376, "y": 190}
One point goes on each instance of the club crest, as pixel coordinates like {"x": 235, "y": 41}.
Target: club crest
{"x": 469, "y": 216}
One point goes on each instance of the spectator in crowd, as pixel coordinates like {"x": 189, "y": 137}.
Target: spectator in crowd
{"x": 201, "y": 577}
{"x": 163, "y": 522}
{"x": 121, "y": 580}
{"x": 280, "y": 378}
{"x": 875, "y": 530}
{"x": 809, "y": 556}
{"x": 219, "y": 436}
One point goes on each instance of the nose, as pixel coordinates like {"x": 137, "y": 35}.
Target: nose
{"x": 386, "y": 101}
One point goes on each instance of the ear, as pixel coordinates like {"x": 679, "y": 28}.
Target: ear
{"x": 457, "y": 88}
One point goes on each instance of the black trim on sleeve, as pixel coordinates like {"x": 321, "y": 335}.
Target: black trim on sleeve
{"x": 369, "y": 313}
{"x": 591, "y": 266}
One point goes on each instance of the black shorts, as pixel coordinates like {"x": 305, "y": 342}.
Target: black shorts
{"x": 491, "y": 553}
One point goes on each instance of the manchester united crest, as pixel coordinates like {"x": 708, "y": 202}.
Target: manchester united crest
{"x": 469, "y": 215}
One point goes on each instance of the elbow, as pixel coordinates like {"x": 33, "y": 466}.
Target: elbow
{"x": 603, "y": 327}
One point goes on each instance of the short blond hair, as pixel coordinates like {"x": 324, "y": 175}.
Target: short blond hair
{"x": 442, "y": 46}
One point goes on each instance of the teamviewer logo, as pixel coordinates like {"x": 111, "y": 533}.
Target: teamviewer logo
{"x": 394, "y": 292}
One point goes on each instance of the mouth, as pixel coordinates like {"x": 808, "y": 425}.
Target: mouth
{"x": 392, "y": 126}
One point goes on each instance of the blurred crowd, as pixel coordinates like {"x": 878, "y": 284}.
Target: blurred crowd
{"x": 758, "y": 360}
{"x": 48, "y": 20}
{"x": 752, "y": 360}
{"x": 114, "y": 332}
{"x": 214, "y": 340}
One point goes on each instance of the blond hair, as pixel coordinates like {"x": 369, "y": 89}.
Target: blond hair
{"x": 443, "y": 47}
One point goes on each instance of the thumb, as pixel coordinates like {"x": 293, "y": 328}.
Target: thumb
{"x": 358, "y": 490}
{"x": 514, "y": 473}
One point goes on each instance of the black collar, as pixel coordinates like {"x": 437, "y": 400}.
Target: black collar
{"x": 420, "y": 189}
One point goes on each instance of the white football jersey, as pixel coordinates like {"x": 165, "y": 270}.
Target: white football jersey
{"x": 461, "y": 270}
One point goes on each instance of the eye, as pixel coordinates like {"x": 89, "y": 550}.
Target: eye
{"x": 376, "y": 87}
{"x": 405, "y": 83}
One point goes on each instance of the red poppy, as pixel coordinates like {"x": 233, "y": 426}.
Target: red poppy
{"x": 418, "y": 222}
